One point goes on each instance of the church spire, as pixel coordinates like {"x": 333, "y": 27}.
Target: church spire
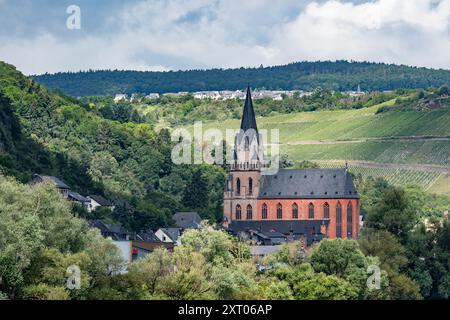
{"x": 248, "y": 116}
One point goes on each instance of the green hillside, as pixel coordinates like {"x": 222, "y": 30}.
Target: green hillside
{"x": 47, "y": 133}
{"x": 338, "y": 75}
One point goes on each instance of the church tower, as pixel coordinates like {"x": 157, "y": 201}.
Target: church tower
{"x": 242, "y": 185}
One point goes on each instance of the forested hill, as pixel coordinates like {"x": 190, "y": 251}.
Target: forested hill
{"x": 47, "y": 133}
{"x": 339, "y": 75}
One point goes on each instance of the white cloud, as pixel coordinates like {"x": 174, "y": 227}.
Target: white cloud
{"x": 401, "y": 31}
{"x": 160, "y": 35}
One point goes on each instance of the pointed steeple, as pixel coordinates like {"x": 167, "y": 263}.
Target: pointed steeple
{"x": 248, "y": 116}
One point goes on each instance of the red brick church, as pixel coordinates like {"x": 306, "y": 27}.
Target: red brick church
{"x": 291, "y": 204}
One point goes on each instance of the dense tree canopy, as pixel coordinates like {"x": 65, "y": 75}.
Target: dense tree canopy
{"x": 40, "y": 238}
{"x": 121, "y": 159}
{"x": 339, "y": 76}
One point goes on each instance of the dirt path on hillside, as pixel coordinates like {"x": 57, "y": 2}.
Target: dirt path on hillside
{"x": 379, "y": 165}
{"x": 362, "y": 140}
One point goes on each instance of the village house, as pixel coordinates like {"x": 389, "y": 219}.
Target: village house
{"x": 152, "y": 96}
{"x": 131, "y": 245}
{"x": 309, "y": 203}
{"x": 183, "y": 221}
{"x": 169, "y": 235}
{"x": 78, "y": 198}
{"x": 59, "y": 184}
{"x": 187, "y": 220}
{"x": 120, "y": 97}
{"x": 96, "y": 201}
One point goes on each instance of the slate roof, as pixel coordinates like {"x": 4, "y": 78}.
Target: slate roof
{"x": 77, "y": 197}
{"x": 279, "y": 226}
{"x": 147, "y": 236}
{"x": 57, "y": 182}
{"x": 115, "y": 231}
{"x": 187, "y": 220}
{"x": 248, "y": 130}
{"x": 308, "y": 183}
{"x": 248, "y": 116}
{"x": 309, "y": 229}
{"x": 173, "y": 233}
{"x": 272, "y": 237}
{"x": 101, "y": 201}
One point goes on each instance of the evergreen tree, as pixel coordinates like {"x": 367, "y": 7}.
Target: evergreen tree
{"x": 196, "y": 193}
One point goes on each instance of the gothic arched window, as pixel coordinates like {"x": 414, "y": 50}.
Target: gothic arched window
{"x": 249, "y": 212}
{"x": 338, "y": 220}
{"x": 349, "y": 220}
{"x": 279, "y": 211}
{"x": 238, "y": 186}
{"x": 250, "y": 186}
{"x": 326, "y": 210}
{"x": 310, "y": 211}
{"x": 294, "y": 211}
{"x": 238, "y": 212}
{"x": 264, "y": 211}
{"x": 247, "y": 143}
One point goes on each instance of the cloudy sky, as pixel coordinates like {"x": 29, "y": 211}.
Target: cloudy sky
{"x": 182, "y": 34}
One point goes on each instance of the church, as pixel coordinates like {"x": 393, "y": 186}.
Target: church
{"x": 291, "y": 204}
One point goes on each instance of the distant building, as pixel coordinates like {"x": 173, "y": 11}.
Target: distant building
{"x": 98, "y": 202}
{"x": 120, "y": 97}
{"x": 169, "y": 235}
{"x": 140, "y": 249}
{"x": 135, "y": 97}
{"x": 59, "y": 184}
{"x": 113, "y": 231}
{"x": 187, "y": 220}
{"x": 238, "y": 94}
{"x": 78, "y": 198}
{"x": 152, "y": 96}
{"x": 267, "y": 238}
{"x": 132, "y": 245}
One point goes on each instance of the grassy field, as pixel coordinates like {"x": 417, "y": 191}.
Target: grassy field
{"x": 409, "y": 137}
